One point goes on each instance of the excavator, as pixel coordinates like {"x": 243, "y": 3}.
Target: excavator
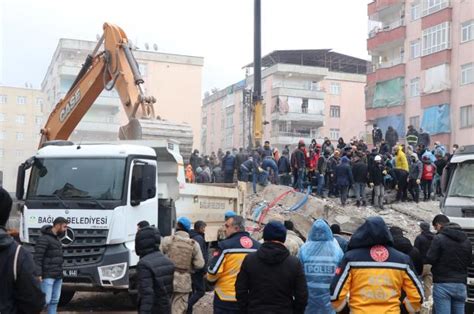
{"x": 113, "y": 67}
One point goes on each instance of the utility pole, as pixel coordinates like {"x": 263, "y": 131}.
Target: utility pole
{"x": 257, "y": 77}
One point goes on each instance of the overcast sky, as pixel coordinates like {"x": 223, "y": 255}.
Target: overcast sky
{"x": 221, "y": 31}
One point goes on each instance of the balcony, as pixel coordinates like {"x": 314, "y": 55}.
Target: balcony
{"x": 379, "y": 6}
{"x": 281, "y": 139}
{"x": 386, "y": 70}
{"x": 312, "y": 118}
{"x": 389, "y": 35}
{"x": 298, "y": 92}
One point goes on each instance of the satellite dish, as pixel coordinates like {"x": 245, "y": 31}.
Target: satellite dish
{"x": 155, "y": 47}
{"x": 147, "y": 46}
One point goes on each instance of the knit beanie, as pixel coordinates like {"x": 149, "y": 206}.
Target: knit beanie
{"x": 274, "y": 231}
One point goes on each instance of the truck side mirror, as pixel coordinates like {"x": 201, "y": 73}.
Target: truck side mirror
{"x": 20, "y": 182}
{"x": 143, "y": 183}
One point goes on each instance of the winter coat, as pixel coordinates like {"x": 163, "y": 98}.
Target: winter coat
{"x": 404, "y": 245}
{"x": 322, "y": 165}
{"x": 327, "y": 147}
{"x": 48, "y": 254}
{"x": 195, "y": 161}
{"x": 239, "y": 159}
{"x": 155, "y": 273}
{"x": 377, "y": 135}
{"x": 372, "y": 259}
{"x": 344, "y": 173}
{"x": 416, "y": 169}
{"x": 271, "y": 281}
{"x": 424, "y": 139}
{"x": 342, "y": 242}
{"x": 284, "y": 166}
{"x": 341, "y": 144}
{"x": 298, "y": 159}
{"x": 266, "y": 152}
{"x": 228, "y": 163}
{"x": 293, "y": 242}
{"x": 376, "y": 174}
{"x": 384, "y": 149}
{"x": 23, "y": 295}
{"x": 360, "y": 172}
{"x": 200, "y": 239}
{"x": 412, "y": 137}
{"x": 320, "y": 256}
{"x": 440, "y": 164}
{"x": 423, "y": 244}
{"x": 450, "y": 255}
{"x": 182, "y": 279}
{"x": 401, "y": 161}
{"x": 391, "y": 136}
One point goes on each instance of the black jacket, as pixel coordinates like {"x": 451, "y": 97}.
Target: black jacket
{"x": 423, "y": 243}
{"x": 391, "y": 137}
{"x": 200, "y": 239}
{"x": 298, "y": 159}
{"x": 424, "y": 139}
{"x": 155, "y": 273}
{"x": 284, "y": 165}
{"x": 271, "y": 281}
{"x": 376, "y": 173}
{"x": 23, "y": 295}
{"x": 360, "y": 172}
{"x": 404, "y": 245}
{"x": 48, "y": 254}
{"x": 440, "y": 164}
{"x": 450, "y": 254}
{"x": 377, "y": 135}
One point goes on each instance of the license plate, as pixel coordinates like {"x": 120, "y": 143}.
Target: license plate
{"x": 70, "y": 272}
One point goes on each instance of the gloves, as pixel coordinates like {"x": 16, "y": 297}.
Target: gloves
{"x": 384, "y": 172}
{"x": 371, "y": 184}
{"x": 417, "y": 181}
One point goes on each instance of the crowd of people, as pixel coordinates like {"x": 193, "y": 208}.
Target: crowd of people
{"x": 412, "y": 169}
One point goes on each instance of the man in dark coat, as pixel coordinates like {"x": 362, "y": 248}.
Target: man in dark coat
{"x": 228, "y": 166}
{"x": 403, "y": 244}
{"x": 391, "y": 137}
{"x": 298, "y": 164}
{"x": 155, "y": 273}
{"x": 284, "y": 168}
{"x": 376, "y": 135}
{"x": 423, "y": 243}
{"x": 424, "y": 138}
{"x": 344, "y": 178}
{"x": 361, "y": 173}
{"x": 49, "y": 261}
{"x": 240, "y": 158}
{"x": 271, "y": 280}
{"x": 412, "y": 136}
{"x": 198, "y": 234}
{"x": 195, "y": 160}
{"x": 450, "y": 255}
{"x": 20, "y": 292}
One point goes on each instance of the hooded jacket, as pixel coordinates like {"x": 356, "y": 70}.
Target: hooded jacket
{"x": 320, "y": 256}
{"x": 416, "y": 168}
{"x": 391, "y": 136}
{"x": 200, "y": 239}
{"x": 450, "y": 254}
{"x": 423, "y": 243}
{"x": 401, "y": 161}
{"x": 271, "y": 281}
{"x": 344, "y": 173}
{"x": 154, "y": 272}
{"x": 360, "y": 171}
{"x": 370, "y": 261}
{"x": 49, "y": 254}
{"x": 404, "y": 245}
{"x": 23, "y": 295}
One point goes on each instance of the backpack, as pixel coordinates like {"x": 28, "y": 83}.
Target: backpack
{"x": 428, "y": 172}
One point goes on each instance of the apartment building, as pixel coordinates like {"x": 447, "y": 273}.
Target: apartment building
{"x": 422, "y": 71}
{"x": 307, "y": 94}
{"x": 166, "y": 77}
{"x": 21, "y": 119}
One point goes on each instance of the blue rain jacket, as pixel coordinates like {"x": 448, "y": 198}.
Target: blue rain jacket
{"x": 320, "y": 256}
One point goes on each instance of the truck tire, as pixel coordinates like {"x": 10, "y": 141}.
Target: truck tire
{"x": 66, "y": 297}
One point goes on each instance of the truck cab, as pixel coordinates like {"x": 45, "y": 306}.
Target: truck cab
{"x": 458, "y": 202}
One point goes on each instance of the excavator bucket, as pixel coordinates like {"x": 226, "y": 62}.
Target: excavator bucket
{"x": 131, "y": 131}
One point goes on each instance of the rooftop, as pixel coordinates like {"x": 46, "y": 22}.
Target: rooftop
{"x": 326, "y": 58}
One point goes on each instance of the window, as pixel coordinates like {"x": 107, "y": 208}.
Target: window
{"x": 335, "y": 88}
{"x": 415, "y": 11}
{"x": 20, "y": 136}
{"x": 436, "y": 38}
{"x": 304, "y": 105}
{"x": 39, "y": 101}
{"x": 467, "y": 31}
{"x": 21, "y": 100}
{"x": 3, "y": 99}
{"x": 334, "y": 134}
{"x": 1, "y": 152}
{"x": 466, "y": 116}
{"x": 432, "y": 6}
{"x": 467, "y": 73}
{"x": 415, "y": 121}
{"x": 415, "y": 87}
{"x": 38, "y": 120}
{"x": 415, "y": 49}
{"x": 20, "y": 119}
{"x": 2, "y": 117}
{"x": 142, "y": 67}
{"x": 335, "y": 111}
{"x": 2, "y": 135}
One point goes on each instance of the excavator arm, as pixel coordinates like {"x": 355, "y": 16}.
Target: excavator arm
{"x": 115, "y": 67}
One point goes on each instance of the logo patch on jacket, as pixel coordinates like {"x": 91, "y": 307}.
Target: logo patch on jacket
{"x": 379, "y": 253}
{"x": 246, "y": 242}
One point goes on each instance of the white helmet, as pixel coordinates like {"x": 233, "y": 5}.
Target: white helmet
{"x": 378, "y": 158}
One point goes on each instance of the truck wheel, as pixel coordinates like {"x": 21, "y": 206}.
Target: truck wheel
{"x": 66, "y": 297}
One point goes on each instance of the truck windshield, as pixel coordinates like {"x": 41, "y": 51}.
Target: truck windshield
{"x": 462, "y": 183}
{"x": 88, "y": 178}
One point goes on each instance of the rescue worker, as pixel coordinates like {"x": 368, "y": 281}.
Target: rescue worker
{"x": 225, "y": 264}
{"x": 373, "y": 274}
{"x": 293, "y": 242}
{"x": 320, "y": 256}
{"x": 187, "y": 258}
{"x": 271, "y": 266}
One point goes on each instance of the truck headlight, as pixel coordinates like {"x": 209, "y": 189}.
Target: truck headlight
{"x": 112, "y": 272}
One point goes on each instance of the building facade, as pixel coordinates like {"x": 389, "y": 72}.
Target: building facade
{"x": 307, "y": 94}
{"x": 166, "y": 77}
{"x": 21, "y": 119}
{"x": 422, "y": 71}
